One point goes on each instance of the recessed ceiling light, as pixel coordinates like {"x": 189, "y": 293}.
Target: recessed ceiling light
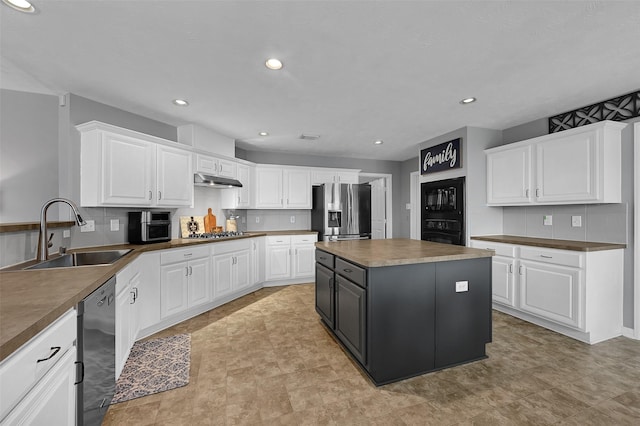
{"x": 378, "y": 142}
{"x": 263, "y": 134}
{"x": 21, "y": 5}
{"x": 273, "y": 64}
{"x": 180, "y": 102}
{"x": 466, "y": 101}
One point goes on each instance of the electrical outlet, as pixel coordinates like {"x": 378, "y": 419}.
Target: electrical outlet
{"x": 89, "y": 227}
{"x": 576, "y": 221}
{"x": 408, "y": 206}
{"x": 115, "y": 224}
{"x": 257, "y": 219}
{"x": 66, "y": 233}
{"x": 292, "y": 219}
{"x": 243, "y": 220}
{"x": 462, "y": 286}
{"x": 547, "y": 220}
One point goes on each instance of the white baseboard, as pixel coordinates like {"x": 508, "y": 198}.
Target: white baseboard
{"x": 630, "y": 333}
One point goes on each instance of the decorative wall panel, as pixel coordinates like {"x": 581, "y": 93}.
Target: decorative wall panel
{"x": 616, "y": 109}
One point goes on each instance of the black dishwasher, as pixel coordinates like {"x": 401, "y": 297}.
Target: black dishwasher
{"x": 96, "y": 354}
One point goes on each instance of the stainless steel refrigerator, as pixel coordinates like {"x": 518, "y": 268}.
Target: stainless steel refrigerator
{"x": 341, "y": 211}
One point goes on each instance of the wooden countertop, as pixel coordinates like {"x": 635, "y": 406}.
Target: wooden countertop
{"x": 398, "y": 251}
{"x": 31, "y": 300}
{"x": 550, "y": 243}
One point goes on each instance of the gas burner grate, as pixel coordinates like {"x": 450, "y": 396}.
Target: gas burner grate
{"x": 215, "y": 235}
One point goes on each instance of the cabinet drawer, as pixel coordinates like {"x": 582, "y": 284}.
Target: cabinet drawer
{"x": 25, "y": 367}
{"x": 278, "y": 240}
{"x": 230, "y": 246}
{"x": 348, "y": 270}
{"x": 304, "y": 239}
{"x": 556, "y": 257}
{"x": 325, "y": 258}
{"x": 180, "y": 255}
{"x": 506, "y": 250}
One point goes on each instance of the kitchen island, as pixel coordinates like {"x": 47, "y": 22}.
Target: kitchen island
{"x": 404, "y": 307}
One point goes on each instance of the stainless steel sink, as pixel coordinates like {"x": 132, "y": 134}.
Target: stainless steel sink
{"x": 82, "y": 258}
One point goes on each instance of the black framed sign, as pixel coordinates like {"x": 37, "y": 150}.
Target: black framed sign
{"x": 445, "y": 156}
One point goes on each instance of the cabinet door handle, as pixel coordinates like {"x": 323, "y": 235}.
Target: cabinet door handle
{"x": 159, "y": 195}
{"x": 526, "y": 193}
{"x": 347, "y": 270}
{"x": 511, "y": 268}
{"x": 81, "y": 372}
{"x": 133, "y": 298}
{"x": 520, "y": 269}
{"x": 188, "y": 254}
{"x": 190, "y": 270}
{"x": 150, "y": 195}
{"x": 546, "y": 257}
{"x": 322, "y": 258}
{"x": 537, "y": 192}
{"x": 186, "y": 271}
{"x": 54, "y": 349}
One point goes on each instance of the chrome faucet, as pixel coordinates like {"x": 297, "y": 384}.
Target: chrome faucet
{"x": 43, "y": 244}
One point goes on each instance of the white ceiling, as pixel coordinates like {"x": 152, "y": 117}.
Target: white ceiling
{"x": 355, "y": 71}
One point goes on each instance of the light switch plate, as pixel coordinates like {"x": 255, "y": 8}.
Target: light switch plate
{"x": 89, "y": 227}
{"x": 547, "y": 220}
{"x": 257, "y": 219}
{"x": 576, "y": 221}
{"x": 292, "y": 219}
{"x": 462, "y": 286}
{"x": 115, "y": 224}
{"x": 66, "y": 233}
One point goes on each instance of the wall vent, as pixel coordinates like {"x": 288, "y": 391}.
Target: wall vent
{"x": 309, "y": 137}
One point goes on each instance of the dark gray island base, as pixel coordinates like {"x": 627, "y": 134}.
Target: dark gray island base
{"x": 405, "y": 317}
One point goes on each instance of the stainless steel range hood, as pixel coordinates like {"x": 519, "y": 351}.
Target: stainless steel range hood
{"x": 200, "y": 179}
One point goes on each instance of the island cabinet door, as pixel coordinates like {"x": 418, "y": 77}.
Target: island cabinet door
{"x": 463, "y": 310}
{"x": 325, "y": 295}
{"x": 350, "y": 322}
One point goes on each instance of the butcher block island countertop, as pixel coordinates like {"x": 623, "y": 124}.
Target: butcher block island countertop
{"x": 398, "y": 251}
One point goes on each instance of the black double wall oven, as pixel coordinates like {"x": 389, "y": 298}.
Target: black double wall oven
{"x": 442, "y": 217}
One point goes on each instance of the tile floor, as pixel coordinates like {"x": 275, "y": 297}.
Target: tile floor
{"x": 265, "y": 359}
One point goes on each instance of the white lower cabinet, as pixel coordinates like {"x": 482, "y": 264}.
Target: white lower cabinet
{"x": 575, "y": 293}
{"x": 551, "y": 291}
{"x": 185, "y": 279}
{"x": 290, "y": 257}
{"x": 137, "y": 303}
{"x": 232, "y": 266}
{"x": 37, "y": 382}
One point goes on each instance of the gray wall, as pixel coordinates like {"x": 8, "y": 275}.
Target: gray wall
{"x": 365, "y": 165}
{"x": 404, "y": 219}
{"x": 480, "y": 219}
{"x": 28, "y": 167}
{"x": 601, "y": 222}
{"x": 29, "y": 156}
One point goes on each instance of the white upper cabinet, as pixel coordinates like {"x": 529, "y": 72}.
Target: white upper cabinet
{"x": 509, "y": 176}
{"x": 297, "y": 189}
{"x": 120, "y": 167}
{"x": 240, "y": 198}
{"x": 577, "y": 166}
{"x": 215, "y": 166}
{"x": 280, "y": 187}
{"x": 320, "y": 176}
{"x": 174, "y": 178}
